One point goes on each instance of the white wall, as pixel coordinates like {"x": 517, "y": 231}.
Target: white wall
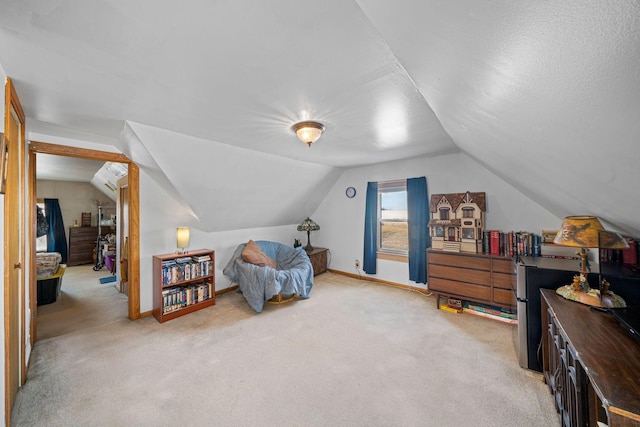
{"x": 74, "y": 198}
{"x": 160, "y": 215}
{"x": 342, "y": 219}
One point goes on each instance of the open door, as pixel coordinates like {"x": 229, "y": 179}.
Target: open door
{"x": 12, "y": 157}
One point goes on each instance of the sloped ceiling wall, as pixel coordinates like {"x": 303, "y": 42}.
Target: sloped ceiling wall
{"x": 229, "y": 188}
{"x": 545, "y": 94}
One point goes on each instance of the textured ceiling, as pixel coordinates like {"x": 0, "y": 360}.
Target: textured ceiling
{"x": 544, "y": 94}
{"x": 239, "y": 73}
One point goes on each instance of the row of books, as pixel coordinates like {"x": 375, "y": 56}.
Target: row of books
{"x": 182, "y": 296}
{"x": 455, "y": 305}
{"x": 629, "y": 256}
{"x": 497, "y": 313}
{"x": 524, "y": 243}
{"x": 512, "y": 243}
{"x": 186, "y": 268}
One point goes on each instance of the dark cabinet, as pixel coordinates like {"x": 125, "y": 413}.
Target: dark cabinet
{"x": 83, "y": 242}
{"x": 318, "y": 257}
{"x": 591, "y": 364}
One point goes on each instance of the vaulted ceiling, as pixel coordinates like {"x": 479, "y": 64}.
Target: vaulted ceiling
{"x": 544, "y": 94}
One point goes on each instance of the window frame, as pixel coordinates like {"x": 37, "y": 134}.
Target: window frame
{"x": 382, "y": 252}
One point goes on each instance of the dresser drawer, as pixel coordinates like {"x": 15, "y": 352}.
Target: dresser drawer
{"x": 478, "y": 263}
{"x": 460, "y": 274}
{"x": 503, "y": 266}
{"x": 504, "y": 281}
{"x": 466, "y": 290}
{"x": 504, "y": 297}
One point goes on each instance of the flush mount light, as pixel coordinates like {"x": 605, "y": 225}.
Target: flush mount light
{"x": 308, "y": 131}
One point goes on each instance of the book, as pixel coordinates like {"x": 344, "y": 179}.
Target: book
{"x": 630, "y": 255}
{"x": 486, "y": 248}
{"x": 494, "y": 242}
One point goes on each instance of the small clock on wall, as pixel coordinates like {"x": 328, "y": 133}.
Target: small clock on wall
{"x": 351, "y": 192}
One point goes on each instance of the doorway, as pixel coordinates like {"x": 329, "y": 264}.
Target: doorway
{"x": 122, "y": 253}
{"x": 133, "y": 265}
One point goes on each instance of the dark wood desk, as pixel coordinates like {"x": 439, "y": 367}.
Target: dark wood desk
{"x": 591, "y": 363}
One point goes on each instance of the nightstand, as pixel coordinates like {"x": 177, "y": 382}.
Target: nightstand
{"x": 318, "y": 257}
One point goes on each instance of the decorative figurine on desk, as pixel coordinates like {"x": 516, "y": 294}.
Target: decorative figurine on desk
{"x": 296, "y": 243}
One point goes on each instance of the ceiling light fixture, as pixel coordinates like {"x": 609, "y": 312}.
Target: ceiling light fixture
{"x": 308, "y": 131}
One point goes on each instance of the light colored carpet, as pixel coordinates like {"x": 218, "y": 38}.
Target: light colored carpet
{"x": 354, "y": 354}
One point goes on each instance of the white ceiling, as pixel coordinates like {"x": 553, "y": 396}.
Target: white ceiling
{"x": 544, "y": 94}
{"x": 234, "y": 72}
{"x": 61, "y": 168}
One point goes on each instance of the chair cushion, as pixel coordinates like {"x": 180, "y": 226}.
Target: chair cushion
{"x": 254, "y": 255}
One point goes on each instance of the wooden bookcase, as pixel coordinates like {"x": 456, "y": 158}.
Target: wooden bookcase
{"x": 173, "y": 285}
{"x": 480, "y": 278}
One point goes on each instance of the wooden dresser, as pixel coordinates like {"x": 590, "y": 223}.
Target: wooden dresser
{"x": 82, "y": 242}
{"x": 318, "y": 257}
{"x": 591, "y": 364}
{"x": 472, "y": 277}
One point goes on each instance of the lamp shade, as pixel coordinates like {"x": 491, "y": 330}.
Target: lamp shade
{"x": 308, "y": 131}
{"x": 583, "y": 231}
{"x": 308, "y": 225}
{"x": 182, "y": 236}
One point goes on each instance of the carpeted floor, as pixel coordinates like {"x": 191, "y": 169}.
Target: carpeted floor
{"x": 353, "y": 354}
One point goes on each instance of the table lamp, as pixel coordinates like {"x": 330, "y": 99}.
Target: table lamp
{"x": 182, "y": 237}
{"x": 308, "y": 225}
{"x": 583, "y": 231}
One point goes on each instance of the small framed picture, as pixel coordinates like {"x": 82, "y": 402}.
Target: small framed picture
{"x": 4, "y": 152}
{"x": 549, "y": 235}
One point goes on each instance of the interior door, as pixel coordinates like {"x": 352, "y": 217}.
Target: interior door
{"x": 14, "y": 251}
{"x": 123, "y": 228}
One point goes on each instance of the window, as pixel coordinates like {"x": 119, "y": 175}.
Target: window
{"x": 41, "y": 241}
{"x": 444, "y": 213}
{"x": 467, "y": 212}
{"x": 392, "y": 217}
{"x": 468, "y": 233}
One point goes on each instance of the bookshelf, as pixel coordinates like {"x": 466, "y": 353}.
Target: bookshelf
{"x": 183, "y": 283}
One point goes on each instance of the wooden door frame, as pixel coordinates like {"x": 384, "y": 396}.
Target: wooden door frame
{"x": 122, "y": 184}
{"x": 12, "y": 102}
{"x": 133, "y": 178}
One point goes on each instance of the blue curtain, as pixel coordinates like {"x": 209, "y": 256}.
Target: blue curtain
{"x": 56, "y": 237}
{"x": 419, "y": 239}
{"x": 370, "y": 229}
